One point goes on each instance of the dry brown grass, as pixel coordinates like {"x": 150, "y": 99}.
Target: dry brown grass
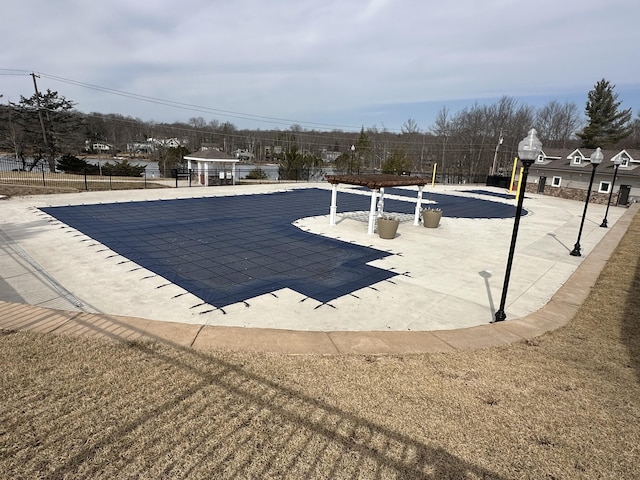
{"x": 13, "y": 190}
{"x": 564, "y": 405}
{"x": 23, "y": 190}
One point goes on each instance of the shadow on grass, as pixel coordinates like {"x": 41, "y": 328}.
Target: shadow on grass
{"x": 296, "y": 436}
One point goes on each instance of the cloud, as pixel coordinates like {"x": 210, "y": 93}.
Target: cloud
{"x": 307, "y": 59}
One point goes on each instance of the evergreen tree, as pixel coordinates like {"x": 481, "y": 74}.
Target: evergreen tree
{"x": 397, "y": 163}
{"x": 122, "y": 169}
{"x": 292, "y": 166}
{"x": 257, "y": 174}
{"x": 57, "y": 132}
{"x": 607, "y": 124}
{"x": 342, "y": 163}
{"x": 363, "y": 155}
{"x": 71, "y": 164}
{"x": 298, "y": 165}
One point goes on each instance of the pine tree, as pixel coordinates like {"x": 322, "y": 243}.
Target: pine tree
{"x": 607, "y": 124}
{"x": 363, "y": 154}
{"x": 46, "y": 139}
{"x": 397, "y": 163}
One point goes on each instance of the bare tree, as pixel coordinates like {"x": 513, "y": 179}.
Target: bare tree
{"x": 441, "y": 129}
{"x": 410, "y": 126}
{"x": 634, "y": 137}
{"x": 557, "y": 123}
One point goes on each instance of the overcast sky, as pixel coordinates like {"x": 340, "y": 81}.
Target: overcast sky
{"x": 318, "y": 63}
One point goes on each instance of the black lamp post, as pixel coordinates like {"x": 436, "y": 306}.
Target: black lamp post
{"x": 595, "y": 159}
{"x": 528, "y": 150}
{"x": 617, "y": 163}
{"x": 353, "y": 149}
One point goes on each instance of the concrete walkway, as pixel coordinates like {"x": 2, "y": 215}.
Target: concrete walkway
{"x": 68, "y": 313}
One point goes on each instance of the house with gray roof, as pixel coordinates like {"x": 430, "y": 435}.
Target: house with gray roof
{"x": 566, "y": 173}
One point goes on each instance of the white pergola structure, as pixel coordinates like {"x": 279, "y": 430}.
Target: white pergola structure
{"x": 210, "y": 161}
{"x": 377, "y": 184}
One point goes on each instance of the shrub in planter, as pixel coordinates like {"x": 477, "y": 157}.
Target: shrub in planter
{"x": 431, "y": 217}
{"x": 387, "y": 227}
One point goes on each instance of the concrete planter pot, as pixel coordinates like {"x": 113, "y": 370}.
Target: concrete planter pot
{"x": 431, "y": 218}
{"x": 387, "y": 227}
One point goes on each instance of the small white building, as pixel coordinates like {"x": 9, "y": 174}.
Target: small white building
{"x": 212, "y": 167}
{"x": 99, "y": 147}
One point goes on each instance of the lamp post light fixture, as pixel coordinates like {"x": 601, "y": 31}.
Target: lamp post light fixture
{"x": 353, "y": 150}
{"x": 617, "y": 161}
{"x": 528, "y": 150}
{"x": 595, "y": 159}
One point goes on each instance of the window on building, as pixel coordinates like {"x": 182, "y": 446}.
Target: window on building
{"x": 577, "y": 160}
{"x": 624, "y": 162}
{"x": 540, "y": 159}
{"x": 556, "y": 181}
{"x": 604, "y": 187}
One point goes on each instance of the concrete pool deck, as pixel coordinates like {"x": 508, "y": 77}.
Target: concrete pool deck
{"x": 446, "y": 292}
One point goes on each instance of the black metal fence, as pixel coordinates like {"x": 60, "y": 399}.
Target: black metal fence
{"x": 12, "y": 172}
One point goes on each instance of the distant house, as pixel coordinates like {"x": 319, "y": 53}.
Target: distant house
{"x": 99, "y": 147}
{"x": 566, "y": 173}
{"x": 151, "y": 144}
{"x": 142, "y": 148}
{"x": 272, "y": 152}
{"x": 173, "y": 142}
{"x": 211, "y": 166}
{"x": 329, "y": 156}
{"x": 243, "y": 154}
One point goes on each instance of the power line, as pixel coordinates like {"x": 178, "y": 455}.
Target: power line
{"x": 192, "y": 107}
{"x": 321, "y": 137}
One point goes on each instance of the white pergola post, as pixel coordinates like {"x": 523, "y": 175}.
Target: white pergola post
{"x": 206, "y": 174}
{"x": 372, "y": 211}
{"x": 233, "y": 173}
{"x": 334, "y": 204}
{"x": 416, "y": 217}
{"x": 381, "y": 203}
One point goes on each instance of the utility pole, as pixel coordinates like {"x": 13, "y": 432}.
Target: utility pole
{"x": 495, "y": 155}
{"x": 44, "y": 132}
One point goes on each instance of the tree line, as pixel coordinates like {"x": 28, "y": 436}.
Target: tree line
{"x": 466, "y": 145}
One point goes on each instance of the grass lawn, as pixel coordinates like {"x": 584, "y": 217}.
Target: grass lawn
{"x": 563, "y": 405}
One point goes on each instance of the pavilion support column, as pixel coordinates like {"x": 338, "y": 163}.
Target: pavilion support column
{"x": 416, "y": 216}
{"x": 206, "y": 174}
{"x": 334, "y": 204}
{"x": 372, "y": 211}
{"x": 381, "y": 202}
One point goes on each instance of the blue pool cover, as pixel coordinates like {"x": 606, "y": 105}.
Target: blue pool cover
{"x": 229, "y": 249}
